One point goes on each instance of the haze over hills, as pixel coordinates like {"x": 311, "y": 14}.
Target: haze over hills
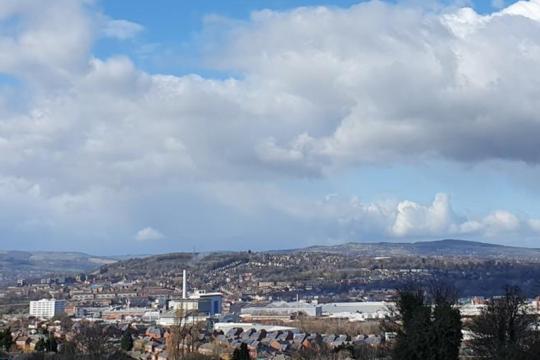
{"x": 476, "y": 268}
{"x": 24, "y": 264}
{"x": 446, "y": 247}
{"x": 217, "y": 259}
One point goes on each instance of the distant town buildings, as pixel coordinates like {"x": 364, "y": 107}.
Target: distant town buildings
{"x": 262, "y": 300}
{"x": 47, "y": 309}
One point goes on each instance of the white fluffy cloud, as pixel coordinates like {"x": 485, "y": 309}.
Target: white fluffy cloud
{"x": 412, "y": 220}
{"x": 391, "y": 83}
{"x": 348, "y": 218}
{"x": 320, "y": 89}
{"x": 44, "y": 43}
{"x": 148, "y": 234}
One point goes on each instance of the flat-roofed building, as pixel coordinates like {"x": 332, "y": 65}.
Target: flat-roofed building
{"x": 280, "y": 309}
{"x": 185, "y": 305}
{"x": 358, "y": 311}
{"x": 47, "y": 309}
{"x": 210, "y": 303}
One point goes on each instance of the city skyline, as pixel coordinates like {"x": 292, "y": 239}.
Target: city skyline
{"x": 127, "y": 128}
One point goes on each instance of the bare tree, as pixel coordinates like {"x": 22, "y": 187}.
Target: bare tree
{"x": 184, "y": 334}
{"x": 506, "y": 330}
{"x": 92, "y": 342}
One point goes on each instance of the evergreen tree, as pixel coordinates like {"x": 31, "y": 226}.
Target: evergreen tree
{"x": 446, "y": 332}
{"x": 446, "y": 324}
{"x": 40, "y": 346}
{"x": 50, "y": 344}
{"x": 6, "y": 340}
{"x": 241, "y": 353}
{"x": 429, "y": 330}
{"x": 412, "y": 339}
{"x": 127, "y": 341}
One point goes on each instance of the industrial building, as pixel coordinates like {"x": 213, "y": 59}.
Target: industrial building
{"x": 198, "y": 306}
{"x": 358, "y": 311}
{"x": 354, "y": 311}
{"x": 280, "y": 309}
{"x": 201, "y": 302}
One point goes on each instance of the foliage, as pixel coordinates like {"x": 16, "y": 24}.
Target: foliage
{"x": 241, "y": 353}
{"x": 40, "y": 345}
{"x": 505, "y": 330}
{"x": 366, "y": 352}
{"x": 91, "y": 343}
{"x": 126, "y": 343}
{"x": 429, "y": 328}
{"x": 50, "y": 344}
{"x": 67, "y": 350}
{"x": 6, "y": 340}
{"x": 65, "y": 321}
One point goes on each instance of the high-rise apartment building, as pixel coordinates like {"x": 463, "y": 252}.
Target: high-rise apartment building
{"x": 46, "y": 308}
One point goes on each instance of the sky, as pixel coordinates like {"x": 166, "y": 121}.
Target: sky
{"x": 156, "y": 126}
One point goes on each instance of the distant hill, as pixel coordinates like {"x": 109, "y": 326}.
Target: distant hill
{"x": 447, "y": 247}
{"x": 475, "y": 268}
{"x": 27, "y": 264}
{"x": 208, "y": 261}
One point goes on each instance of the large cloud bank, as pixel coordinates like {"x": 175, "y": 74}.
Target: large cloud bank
{"x": 317, "y": 90}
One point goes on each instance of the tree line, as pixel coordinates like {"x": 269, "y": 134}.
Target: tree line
{"x": 430, "y": 327}
{"x": 426, "y": 324}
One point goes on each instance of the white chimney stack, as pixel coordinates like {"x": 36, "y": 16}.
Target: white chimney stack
{"x": 184, "y": 289}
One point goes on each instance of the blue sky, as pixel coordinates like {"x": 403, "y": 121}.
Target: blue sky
{"x": 153, "y": 126}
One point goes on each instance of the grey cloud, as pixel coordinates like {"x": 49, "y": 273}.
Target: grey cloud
{"x": 321, "y": 90}
{"x": 401, "y": 82}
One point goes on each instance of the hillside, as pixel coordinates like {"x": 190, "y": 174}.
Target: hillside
{"x": 296, "y": 264}
{"x": 475, "y": 268}
{"x": 447, "y": 247}
{"x": 31, "y": 264}
{"x": 210, "y": 261}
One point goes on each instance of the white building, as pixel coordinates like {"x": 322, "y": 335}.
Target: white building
{"x": 46, "y": 309}
{"x": 281, "y": 309}
{"x": 171, "y": 318}
{"x": 201, "y": 302}
{"x": 186, "y": 305}
{"x": 358, "y": 311}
